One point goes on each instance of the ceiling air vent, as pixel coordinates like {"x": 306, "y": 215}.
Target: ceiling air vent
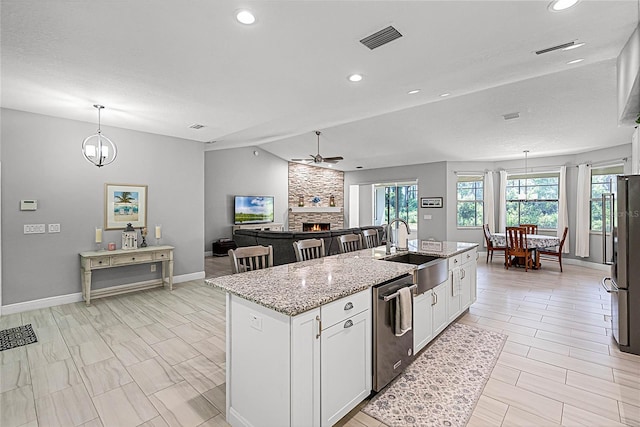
{"x": 551, "y": 49}
{"x": 511, "y": 116}
{"x": 381, "y": 37}
{"x": 196, "y": 126}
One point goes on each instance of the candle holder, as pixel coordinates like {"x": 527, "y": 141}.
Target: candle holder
{"x": 98, "y": 239}
{"x": 158, "y": 234}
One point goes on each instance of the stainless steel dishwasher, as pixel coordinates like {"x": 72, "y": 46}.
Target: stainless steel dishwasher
{"x": 391, "y": 354}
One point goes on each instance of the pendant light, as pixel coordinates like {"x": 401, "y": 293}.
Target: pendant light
{"x": 97, "y": 148}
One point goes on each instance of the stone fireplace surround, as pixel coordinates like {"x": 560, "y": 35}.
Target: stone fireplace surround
{"x": 306, "y": 182}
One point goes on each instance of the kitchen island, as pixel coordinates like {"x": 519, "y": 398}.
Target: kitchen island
{"x": 299, "y": 335}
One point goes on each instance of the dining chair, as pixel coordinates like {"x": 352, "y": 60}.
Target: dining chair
{"x": 517, "y": 248}
{"x": 491, "y": 248}
{"x": 350, "y": 243}
{"x": 370, "y": 238}
{"x": 531, "y": 228}
{"x": 250, "y": 258}
{"x": 553, "y": 254}
{"x": 309, "y": 249}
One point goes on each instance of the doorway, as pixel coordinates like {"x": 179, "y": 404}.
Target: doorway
{"x": 396, "y": 200}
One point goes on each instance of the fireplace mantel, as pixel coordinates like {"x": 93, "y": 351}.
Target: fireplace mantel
{"x": 315, "y": 209}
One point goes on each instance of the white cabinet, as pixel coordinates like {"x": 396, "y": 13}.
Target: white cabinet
{"x": 440, "y": 295}
{"x": 422, "y": 320}
{"x": 345, "y": 358}
{"x": 462, "y": 276}
{"x": 311, "y": 369}
{"x": 267, "y": 226}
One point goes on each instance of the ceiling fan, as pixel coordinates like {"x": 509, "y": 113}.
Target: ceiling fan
{"x": 318, "y": 158}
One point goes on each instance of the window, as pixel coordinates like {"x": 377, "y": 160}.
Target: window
{"x": 603, "y": 181}
{"x": 533, "y": 199}
{"x": 470, "y": 201}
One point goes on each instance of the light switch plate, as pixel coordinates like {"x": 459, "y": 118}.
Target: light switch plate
{"x": 33, "y": 228}
{"x": 54, "y": 228}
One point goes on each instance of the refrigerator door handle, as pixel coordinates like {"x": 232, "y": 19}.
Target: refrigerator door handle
{"x": 613, "y": 285}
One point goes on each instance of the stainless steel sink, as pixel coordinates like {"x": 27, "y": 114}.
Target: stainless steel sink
{"x": 430, "y": 270}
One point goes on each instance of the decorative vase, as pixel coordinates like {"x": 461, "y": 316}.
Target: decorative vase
{"x": 315, "y": 200}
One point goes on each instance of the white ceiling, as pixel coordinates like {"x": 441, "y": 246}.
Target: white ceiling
{"x": 161, "y": 65}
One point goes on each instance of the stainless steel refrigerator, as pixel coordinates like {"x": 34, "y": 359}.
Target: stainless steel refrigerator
{"x": 625, "y": 270}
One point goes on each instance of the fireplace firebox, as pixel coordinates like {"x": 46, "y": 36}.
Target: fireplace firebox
{"x": 316, "y": 226}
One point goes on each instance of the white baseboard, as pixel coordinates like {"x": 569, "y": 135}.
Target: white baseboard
{"x": 572, "y": 261}
{"x": 208, "y": 253}
{"x": 77, "y": 297}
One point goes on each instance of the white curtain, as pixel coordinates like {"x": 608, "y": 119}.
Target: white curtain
{"x": 502, "y": 206}
{"x": 489, "y": 202}
{"x": 582, "y": 210}
{"x": 563, "y": 213}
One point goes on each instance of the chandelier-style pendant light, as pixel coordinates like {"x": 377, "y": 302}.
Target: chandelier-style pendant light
{"x": 97, "y": 148}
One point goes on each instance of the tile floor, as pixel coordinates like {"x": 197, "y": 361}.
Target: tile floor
{"x": 155, "y": 358}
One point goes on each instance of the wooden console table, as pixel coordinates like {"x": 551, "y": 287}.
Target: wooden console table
{"x": 97, "y": 260}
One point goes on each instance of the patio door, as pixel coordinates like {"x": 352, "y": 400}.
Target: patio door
{"x": 396, "y": 200}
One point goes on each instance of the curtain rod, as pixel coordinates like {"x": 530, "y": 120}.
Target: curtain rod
{"x": 606, "y": 162}
{"x": 471, "y": 173}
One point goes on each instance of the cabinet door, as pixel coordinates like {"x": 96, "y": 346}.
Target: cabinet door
{"x": 439, "y": 307}
{"x": 465, "y": 286}
{"x": 346, "y": 366}
{"x": 453, "y": 297}
{"x": 422, "y": 320}
{"x": 305, "y": 369}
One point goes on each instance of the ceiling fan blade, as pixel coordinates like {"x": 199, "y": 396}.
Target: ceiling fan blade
{"x": 333, "y": 159}
{"x": 300, "y": 160}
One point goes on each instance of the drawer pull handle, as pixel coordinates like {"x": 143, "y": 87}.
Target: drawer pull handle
{"x": 133, "y": 258}
{"x": 455, "y": 261}
{"x": 348, "y": 306}
{"x": 99, "y": 262}
{"x": 348, "y": 323}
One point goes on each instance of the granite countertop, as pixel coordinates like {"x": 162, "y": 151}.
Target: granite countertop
{"x": 294, "y": 288}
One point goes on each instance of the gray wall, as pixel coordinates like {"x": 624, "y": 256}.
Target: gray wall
{"x": 239, "y": 172}
{"x": 42, "y": 160}
{"x": 431, "y": 179}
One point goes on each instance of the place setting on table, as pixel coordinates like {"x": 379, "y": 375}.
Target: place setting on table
{"x": 526, "y": 239}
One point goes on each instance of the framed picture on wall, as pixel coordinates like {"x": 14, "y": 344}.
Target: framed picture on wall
{"x": 431, "y": 202}
{"x": 123, "y": 204}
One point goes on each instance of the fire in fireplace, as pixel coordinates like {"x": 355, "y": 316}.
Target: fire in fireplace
{"x": 316, "y": 226}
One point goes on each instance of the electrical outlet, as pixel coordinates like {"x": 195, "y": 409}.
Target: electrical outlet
{"x": 153, "y": 268}
{"x": 54, "y": 228}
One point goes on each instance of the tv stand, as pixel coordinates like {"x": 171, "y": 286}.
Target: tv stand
{"x": 267, "y": 226}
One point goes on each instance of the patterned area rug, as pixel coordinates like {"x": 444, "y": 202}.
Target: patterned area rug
{"x": 16, "y": 337}
{"x": 442, "y": 386}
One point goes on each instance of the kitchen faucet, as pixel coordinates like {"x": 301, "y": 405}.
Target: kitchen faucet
{"x": 393, "y": 221}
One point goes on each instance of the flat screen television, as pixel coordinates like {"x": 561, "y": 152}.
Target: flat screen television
{"x": 253, "y": 209}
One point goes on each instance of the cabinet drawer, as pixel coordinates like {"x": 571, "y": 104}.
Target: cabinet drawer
{"x": 100, "y": 262}
{"x": 455, "y": 261}
{"x": 343, "y": 308}
{"x": 131, "y": 259}
{"x": 468, "y": 256}
{"x": 162, "y": 255}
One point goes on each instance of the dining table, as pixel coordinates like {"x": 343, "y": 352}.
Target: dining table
{"x": 534, "y": 241}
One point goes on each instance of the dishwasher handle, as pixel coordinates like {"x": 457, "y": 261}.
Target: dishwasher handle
{"x": 395, "y": 294}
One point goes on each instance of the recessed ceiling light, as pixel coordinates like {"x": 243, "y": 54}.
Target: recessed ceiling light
{"x": 245, "y": 17}
{"x": 413, "y": 92}
{"x": 574, "y": 46}
{"x": 575, "y": 61}
{"x": 355, "y": 77}
{"x": 444, "y": 94}
{"x": 558, "y": 5}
